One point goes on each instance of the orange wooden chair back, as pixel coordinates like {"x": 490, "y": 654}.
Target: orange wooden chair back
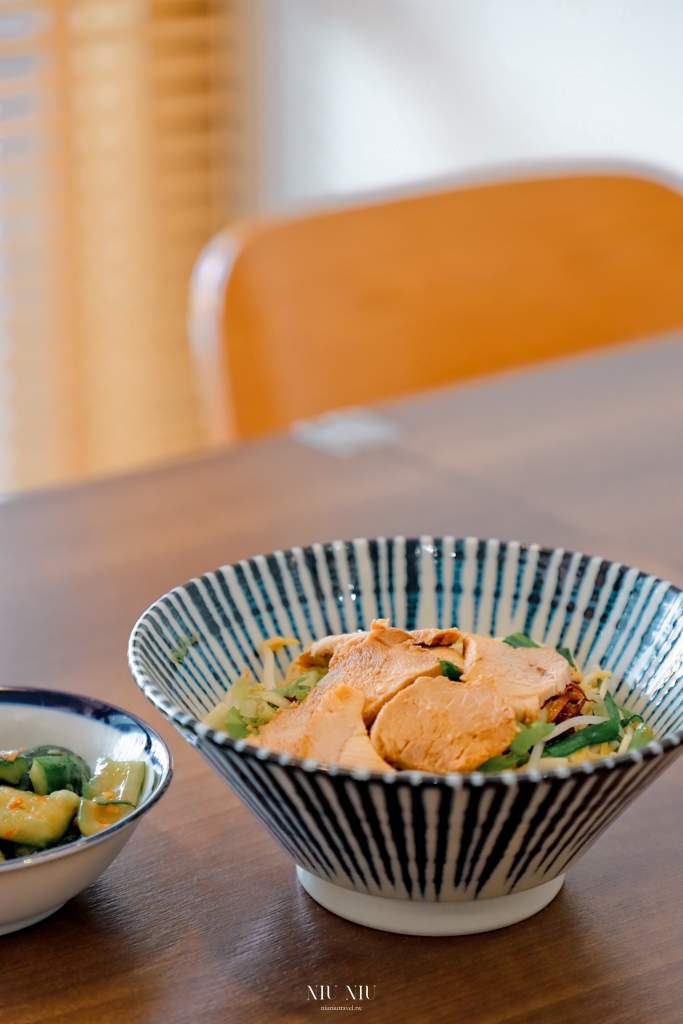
{"x": 357, "y": 305}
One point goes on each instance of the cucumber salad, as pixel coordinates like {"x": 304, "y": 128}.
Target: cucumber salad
{"x": 49, "y": 797}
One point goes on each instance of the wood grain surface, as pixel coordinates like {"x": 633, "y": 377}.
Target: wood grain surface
{"x": 201, "y": 918}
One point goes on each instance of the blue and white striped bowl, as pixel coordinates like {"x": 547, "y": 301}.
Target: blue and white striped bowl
{"x": 366, "y": 844}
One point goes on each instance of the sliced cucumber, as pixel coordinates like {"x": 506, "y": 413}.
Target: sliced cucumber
{"x": 46, "y": 750}
{"x": 54, "y": 750}
{"x": 52, "y": 772}
{"x": 94, "y": 817}
{"x": 12, "y": 767}
{"x": 116, "y": 781}
{"x": 34, "y": 820}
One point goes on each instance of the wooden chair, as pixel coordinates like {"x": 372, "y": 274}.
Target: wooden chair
{"x": 292, "y": 317}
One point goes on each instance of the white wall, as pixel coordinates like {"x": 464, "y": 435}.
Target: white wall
{"x": 358, "y": 95}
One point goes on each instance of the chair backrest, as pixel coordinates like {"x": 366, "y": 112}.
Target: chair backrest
{"x": 356, "y": 305}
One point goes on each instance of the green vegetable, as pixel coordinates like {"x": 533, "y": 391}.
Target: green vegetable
{"x": 631, "y": 718}
{"x": 22, "y": 850}
{"x": 602, "y": 732}
{"x": 255, "y": 711}
{"x": 518, "y": 754}
{"x": 236, "y": 725}
{"x": 563, "y": 746}
{"x": 529, "y": 735}
{"x": 519, "y": 640}
{"x": 12, "y": 767}
{"x": 612, "y": 709}
{"x": 642, "y": 734}
{"x": 33, "y": 820}
{"x": 450, "y": 670}
{"x": 241, "y": 688}
{"x": 298, "y": 689}
{"x": 301, "y": 687}
{"x": 54, "y": 772}
{"x": 46, "y": 750}
{"x": 500, "y": 763}
{"x": 216, "y": 717}
{"x": 181, "y": 648}
{"x": 116, "y": 782}
{"x": 52, "y": 750}
{"x": 95, "y": 817}
{"x": 567, "y": 654}
{"x": 250, "y": 704}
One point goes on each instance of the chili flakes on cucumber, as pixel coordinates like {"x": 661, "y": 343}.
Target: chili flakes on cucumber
{"x": 50, "y": 797}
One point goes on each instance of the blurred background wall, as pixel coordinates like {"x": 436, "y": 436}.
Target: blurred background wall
{"x": 365, "y": 94}
{"x": 132, "y": 130}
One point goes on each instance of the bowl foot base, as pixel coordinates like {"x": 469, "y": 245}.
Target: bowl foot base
{"x": 408, "y": 918}
{"x": 16, "y": 926}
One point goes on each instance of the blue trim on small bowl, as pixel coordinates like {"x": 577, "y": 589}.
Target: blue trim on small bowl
{"x": 156, "y": 753}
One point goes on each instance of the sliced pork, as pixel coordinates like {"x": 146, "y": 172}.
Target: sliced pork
{"x": 328, "y": 726}
{"x": 382, "y": 663}
{"x": 436, "y": 725}
{"x": 525, "y": 676}
{"x": 435, "y": 637}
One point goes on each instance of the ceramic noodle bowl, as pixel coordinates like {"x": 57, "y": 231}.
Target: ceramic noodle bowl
{"x": 411, "y": 851}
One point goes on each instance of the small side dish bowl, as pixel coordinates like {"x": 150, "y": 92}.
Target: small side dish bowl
{"x": 411, "y": 851}
{"x": 32, "y": 888}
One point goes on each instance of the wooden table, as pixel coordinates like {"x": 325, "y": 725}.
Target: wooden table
{"x": 201, "y": 919}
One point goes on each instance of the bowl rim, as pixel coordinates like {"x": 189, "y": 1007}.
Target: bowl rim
{"x": 76, "y": 704}
{"x": 454, "y": 780}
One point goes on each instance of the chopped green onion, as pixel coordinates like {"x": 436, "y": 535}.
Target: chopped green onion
{"x": 601, "y": 733}
{"x": 632, "y": 718}
{"x": 450, "y": 670}
{"x": 519, "y": 640}
{"x": 181, "y": 648}
{"x": 567, "y": 654}
{"x": 642, "y": 734}
{"x": 612, "y": 709}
